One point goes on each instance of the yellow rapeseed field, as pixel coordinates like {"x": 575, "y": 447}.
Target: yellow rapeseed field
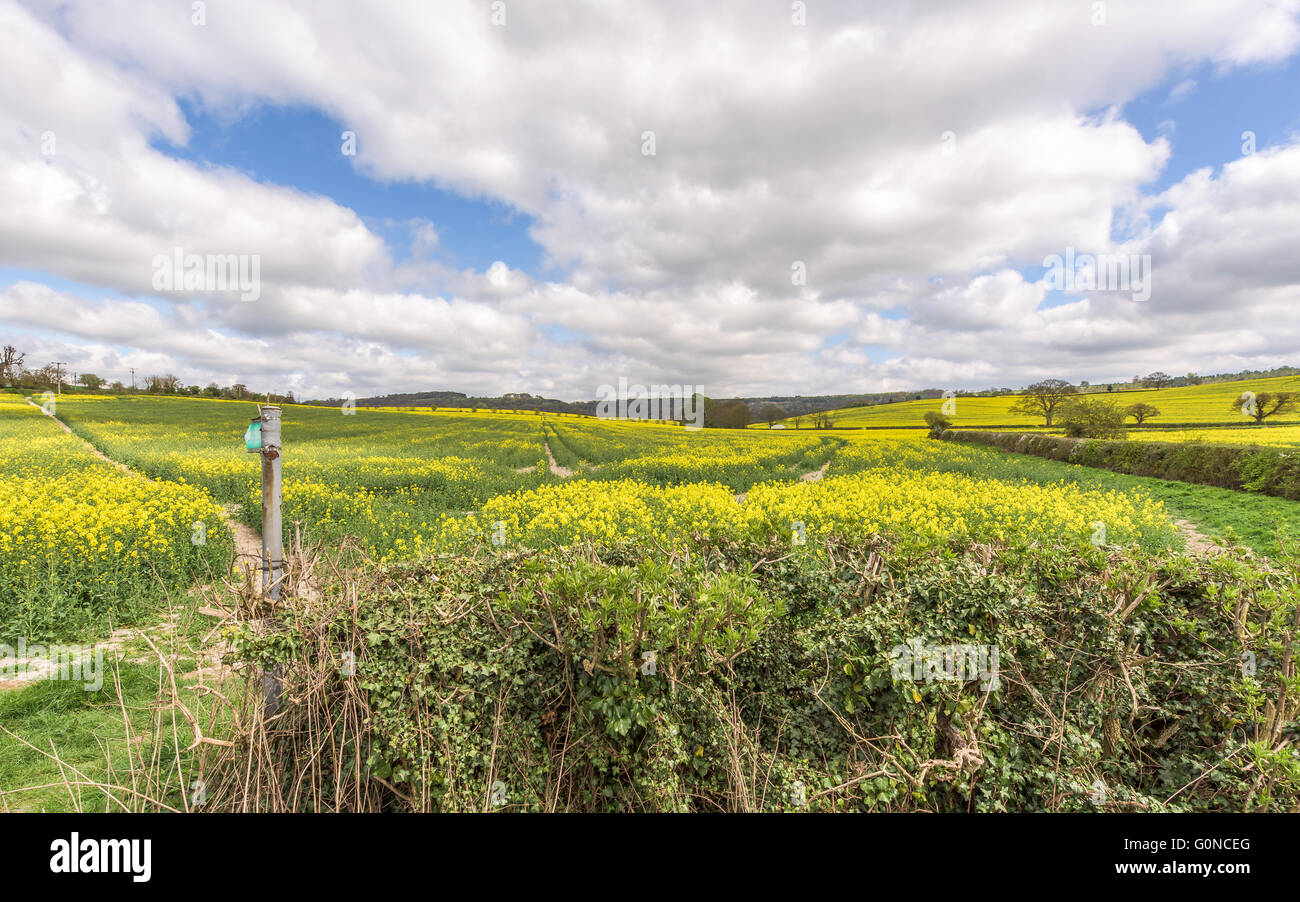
{"x": 80, "y": 540}
{"x": 1250, "y": 435}
{"x": 917, "y": 507}
{"x": 409, "y": 482}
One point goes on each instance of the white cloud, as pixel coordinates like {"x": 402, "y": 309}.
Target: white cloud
{"x": 775, "y": 143}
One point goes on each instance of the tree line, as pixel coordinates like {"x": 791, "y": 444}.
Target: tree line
{"x": 14, "y": 373}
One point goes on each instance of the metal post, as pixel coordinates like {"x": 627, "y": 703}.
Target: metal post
{"x": 272, "y": 533}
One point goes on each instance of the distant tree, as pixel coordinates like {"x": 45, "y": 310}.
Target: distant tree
{"x": 798, "y": 421}
{"x": 1192, "y": 379}
{"x": 117, "y": 386}
{"x": 1157, "y": 380}
{"x": 823, "y": 420}
{"x": 1141, "y": 412}
{"x": 211, "y": 390}
{"x": 42, "y": 377}
{"x": 1082, "y": 418}
{"x": 937, "y": 422}
{"x": 1265, "y": 404}
{"x": 11, "y": 365}
{"x": 772, "y": 413}
{"x": 166, "y": 384}
{"x": 90, "y": 380}
{"x": 1042, "y": 398}
{"x": 726, "y": 414}
{"x": 1110, "y": 387}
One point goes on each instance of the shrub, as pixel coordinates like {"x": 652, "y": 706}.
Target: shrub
{"x": 1269, "y": 471}
{"x": 937, "y": 422}
{"x": 1082, "y": 418}
{"x": 741, "y": 677}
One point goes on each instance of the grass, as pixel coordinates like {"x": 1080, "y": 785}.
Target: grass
{"x": 81, "y": 737}
{"x": 87, "y": 730}
{"x": 60, "y": 717}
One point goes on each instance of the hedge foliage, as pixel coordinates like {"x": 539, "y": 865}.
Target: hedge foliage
{"x": 738, "y": 677}
{"x": 1269, "y": 471}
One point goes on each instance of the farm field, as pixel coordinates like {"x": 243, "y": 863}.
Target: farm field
{"x": 406, "y": 481}
{"x": 736, "y": 553}
{"x": 82, "y": 544}
{"x": 1209, "y": 403}
{"x": 443, "y": 480}
{"x": 1266, "y": 434}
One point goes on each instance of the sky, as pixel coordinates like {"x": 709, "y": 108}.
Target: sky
{"x": 755, "y": 198}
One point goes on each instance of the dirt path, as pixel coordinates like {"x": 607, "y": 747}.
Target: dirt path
{"x": 556, "y": 468}
{"x": 1196, "y": 540}
{"x": 248, "y": 541}
{"x": 816, "y": 475}
{"x": 87, "y": 662}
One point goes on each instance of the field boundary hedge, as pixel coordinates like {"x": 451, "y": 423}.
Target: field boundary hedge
{"x": 984, "y": 427}
{"x": 745, "y": 678}
{"x": 1250, "y": 468}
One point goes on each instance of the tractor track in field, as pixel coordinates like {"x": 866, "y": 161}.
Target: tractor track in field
{"x": 816, "y": 475}
{"x": 556, "y": 469}
{"x": 811, "y": 476}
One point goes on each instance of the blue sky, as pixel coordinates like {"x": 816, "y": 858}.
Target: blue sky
{"x": 1210, "y": 117}
{"x": 300, "y": 147}
{"x": 1203, "y": 112}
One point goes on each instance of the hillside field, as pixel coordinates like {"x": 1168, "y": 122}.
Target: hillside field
{"x": 1210, "y": 403}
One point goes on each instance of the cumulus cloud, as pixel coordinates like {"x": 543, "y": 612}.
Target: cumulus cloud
{"x": 909, "y": 164}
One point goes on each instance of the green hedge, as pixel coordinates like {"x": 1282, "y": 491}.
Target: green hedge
{"x": 741, "y": 677}
{"x": 1269, "y": 471}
